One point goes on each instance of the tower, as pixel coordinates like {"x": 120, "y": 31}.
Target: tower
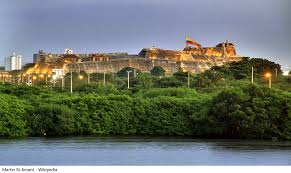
{"x": 13, "y": 62}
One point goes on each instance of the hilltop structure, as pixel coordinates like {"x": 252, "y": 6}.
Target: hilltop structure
{"x": 193, "y": 59}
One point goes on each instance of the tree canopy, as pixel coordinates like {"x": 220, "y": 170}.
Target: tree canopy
{"x": 123, "y": 72}
{"x": 219, "y": 103}
{"x": 158, "y": 71}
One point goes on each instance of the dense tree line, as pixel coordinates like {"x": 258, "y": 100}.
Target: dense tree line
{"x": 246, "y": 111}
{"x": 219, "y": 103}
{"x": 242, "y": 69}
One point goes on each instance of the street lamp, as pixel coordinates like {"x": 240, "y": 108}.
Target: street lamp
{"x": 188, "y": 79}
{"x": 33, "y": 79}
{"x": 4, "y": 76}
{"x": 134, "y": 73}
{"x": 63, "y": 82}
{"x": 128, "y": 78}
{"x": 104, "y": 78}
{"x": 54, "y": 77}
{"x": 252, "y": 74}
{"x": 269, "y": 75}
{"x": 23, "y": 78}
{"x": 81, "y": 77}
{"x": 40, "y": 77}
{"x": 88, "y": 78}
{"x": 71, "y": 80}
{"x": 19, "y": 79}
{"x": 46, "y": 78}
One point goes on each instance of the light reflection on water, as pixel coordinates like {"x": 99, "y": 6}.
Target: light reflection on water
{"x": 142, "y": 151}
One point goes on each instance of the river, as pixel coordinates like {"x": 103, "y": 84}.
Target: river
{"x": 142, "y": 151}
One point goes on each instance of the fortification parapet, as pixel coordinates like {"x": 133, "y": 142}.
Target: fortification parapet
{"x": 194, "y": 59}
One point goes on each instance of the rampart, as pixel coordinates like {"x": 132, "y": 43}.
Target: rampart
{"x": 191, "y": 59}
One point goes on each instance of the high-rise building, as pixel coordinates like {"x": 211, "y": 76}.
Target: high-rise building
{"x": 13, "y": 62}
{"x": 35, "y": 57}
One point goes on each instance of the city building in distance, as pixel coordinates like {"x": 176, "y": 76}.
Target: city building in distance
{"x": 13, "y": 62}
{"x": 193, "y": 58}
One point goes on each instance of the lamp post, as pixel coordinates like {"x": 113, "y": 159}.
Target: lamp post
{"x": 88, "y": 78}
{"x": 71, "y": 88}
{"x": 2, "y": 77}
{"x": 63, "y": 82}
{"x": 252, "y": 74}
{"x": 54, "y": 79}
{"x": 134, "y": 72}
{"x": 46, "y": 76}
{"x": 269, "y": 75}
{"x": 49, "y": 76}
{"x": 104, "y": 78}
{"x": 33, "y": 79}
{"x": 27, "y": 78}
{"x": 18, "y": 78}
{"x": 128, "y": 78}
{"x": 41, "y": 76}
{"x": 188, "y": 79}
{"x": 23, "y": 78}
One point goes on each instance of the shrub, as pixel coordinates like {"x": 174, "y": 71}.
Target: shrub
{"x": 249, "y": 112}
{"x": 170, "y": 92}
{"x": 12, "y": 116}
{"x": 123, "y": 72}
{"x": 158, "y": 71}
{"x": 51, "y": 119}
{"x": 97, "y": 88}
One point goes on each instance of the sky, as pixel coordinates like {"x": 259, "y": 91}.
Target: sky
{"x": 258, "y": 28}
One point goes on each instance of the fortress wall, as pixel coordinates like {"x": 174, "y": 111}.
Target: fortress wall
{"x": 109, "y": 66}
{"x": 169, "y": 66}
{"x": 191, "y": 59}
{"x": 114, "y": 66}
{"x": 145, "y": 65}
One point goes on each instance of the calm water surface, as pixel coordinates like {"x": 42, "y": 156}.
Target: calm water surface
{"x": 142, "y": 151}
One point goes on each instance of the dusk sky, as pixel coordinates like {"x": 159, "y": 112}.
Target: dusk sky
{"x": 258, "y": 28}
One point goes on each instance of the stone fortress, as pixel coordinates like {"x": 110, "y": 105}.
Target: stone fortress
{"x": 193, "y": 59}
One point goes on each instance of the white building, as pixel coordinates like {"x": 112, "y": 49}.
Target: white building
{"x": 13, "y": 62}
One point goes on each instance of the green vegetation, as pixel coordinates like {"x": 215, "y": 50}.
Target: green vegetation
{"x": 132, "y": 72}
{"x": 220, "y": 103}
{"x": 158, "y": 71}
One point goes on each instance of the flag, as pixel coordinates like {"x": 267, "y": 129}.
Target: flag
{"x": 190, "y": 41}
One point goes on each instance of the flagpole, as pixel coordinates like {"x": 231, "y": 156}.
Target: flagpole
{"x": 187, "y": 35}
